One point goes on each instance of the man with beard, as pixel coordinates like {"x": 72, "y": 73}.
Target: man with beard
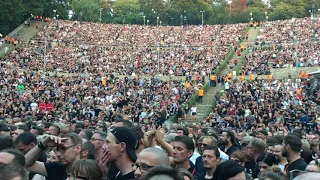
{"x": 291, "y": 149}
{"x": 228, "y": 140}
{"x": 277, "y": 151}
{"x": 211, "y": 158}
{"x": 255, "y": 148}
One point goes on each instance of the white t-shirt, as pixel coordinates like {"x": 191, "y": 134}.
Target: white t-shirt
{"x": 194, "y": 109}
{"x": 33, "y": 106}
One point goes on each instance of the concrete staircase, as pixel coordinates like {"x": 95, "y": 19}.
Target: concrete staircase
{"x": 209, "y": 97}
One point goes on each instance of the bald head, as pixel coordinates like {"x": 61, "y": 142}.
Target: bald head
{"x": 159, "y": 156}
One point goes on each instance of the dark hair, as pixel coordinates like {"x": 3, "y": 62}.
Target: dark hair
{"x": 88, "y": 168}
{"x": 79, "y": 125}
{"x": 57, "y": 127}
{"x": 90, "y": 148}
{"x": 306, "y": 155}
{"x": 294, "y": 141}
{"x": 230, "y": 134}
{"x": 10, "y": 171}
{"x": 271, "y": 141}
{"x": 5, "y": 142}
{"x": 24, "y": 128}
{"x": 39, "y": 129}
{"x": 166, "y": 172}
{"x": 227, "y": 169}
{"x": 186, "y": 140}
{"x": 26, "y": 138}
{"x": 126, "y": 123}
{"x": 18, "y": 159}
{"x": 88, "y": 134}
{"x": 213, "y": 148}
{"x": 279, "y": 138}
{"x": 75, "y": 138}
{"x": 137, "y": 130}
{"x": 184, "y": 130}
{"x": 268, "y": 158}
{"x": 103, "y": 135}
{"x": 47, "y": 124}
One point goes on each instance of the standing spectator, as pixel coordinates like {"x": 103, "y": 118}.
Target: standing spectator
{"x": 211, "y": 158}
{"x": 12, "y": 172}
{"x": 86, "y": 169}
{"x": 228, "y": 140}
{"x": 255, "y": 148}
{"x": 200, "y": 94}
{"x": 291, "y": 149}
{"x": 98, "y": 140}
{"x": 4, "y": 129}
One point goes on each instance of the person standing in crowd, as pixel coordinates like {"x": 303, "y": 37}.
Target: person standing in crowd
{"x": 149, "y": 158}
{"x": 183, "y": 148}
{"x": 277, "y": 151}
{"x": 291, "y": 149}
{"x": 98, "y": 140}
{"x": 211, "y": 159}
{"x": 228, "y": 140}
{"x": 120, "y": 149}
{"x": 255, "y": 148}
{"x": 68, "y": 150}
{"x": 200, "y": 94}
{"x": 86, "y": 169}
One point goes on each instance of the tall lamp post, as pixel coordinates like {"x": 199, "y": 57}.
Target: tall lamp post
{"x": 229, "y": 2}
{"x": 54, "y": 11}
{"x": 144, "y": 20}
{"x": 100, "y": 15}
{"x": 148, "y": 22}
{"x": 157, "y": 20}
{"x": 251, "y": 19}
{"x": 202, "y": 17}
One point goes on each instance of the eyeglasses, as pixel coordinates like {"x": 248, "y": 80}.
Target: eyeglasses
{"x": 203, "y": 144}
{"x": 142, "y": 167}
{"x": 62, "y": 149}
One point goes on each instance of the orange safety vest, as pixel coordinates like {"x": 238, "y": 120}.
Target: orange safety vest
{"x": 229, "y": 75}
{"x": 188, "y": 85}
{"x": 226, "y": 79}
{"x": 299, "y": 91}
{"x": 12, "y": 40}
{"x": 242, "y": 78}
{"x": 201, "y": 92}
{"x": 251, "y": 77}
{"x": 214, "y": 78}
{"x": 270, "y": 77}
{"x": 104, "y": 82}
{"x": 198, "y": 77}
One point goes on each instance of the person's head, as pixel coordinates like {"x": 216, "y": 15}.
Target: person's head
{"x": 86, "y": 123}
{"x": 98, "y": 139}
{"x": 211, "y": 157}
{"x": 308, "y": 176}
{"x": 291, "y": 145}
{"x": 52, "y": 157}
{"x": 266, "y": 161}
{"x": 269, "y": 175}
{"x": 121, "y": 143}
{"x": 141, "y": 137}
{"x": 70, "y": 150}
{"x": 207, "y": 140}
{"x": 183, "y": 148}
{"x": 25, "y": 142}
{"x": 12, "y": 172}
{"x": 13, "y": 156}
{"x": 163, "y": 173}
{"x": 149, "y": 158}
{"x": 123, "y": 123}
{"x": 4, "y": 129}
{"x": 227, "y": 137}
{"x": 182, "y": 131}
{"x": 186, "y": 174}
{"x": 263, "y": 134}
{"x": 86, "y": 134}
{"x": 313, "y": 168}
{"x": 277, "y": 151}
{"x": 19, "y": 131}
{"x": 229, "y": 170}
{"x": 255, "y": 148}
{"x": 5, "y": 142}
{"x": 36, "y": 130}
{"x": 86, "y": 169}
{"x": 88, "y": 151}
{"x": 54, "y": 130}
{"x": 239, "y": 157}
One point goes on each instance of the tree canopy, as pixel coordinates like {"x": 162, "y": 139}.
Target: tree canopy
{"x": 170, "y": 12}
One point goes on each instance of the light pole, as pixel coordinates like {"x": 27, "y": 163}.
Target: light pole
{"x": 157, "y": 20}
{"x": 57, "y": 16}
{"x": 148, "y": 22}
{"x": 100, "y": 15}
{"x": 44, "y": 55}
{"x": 54, "y": 11}
{"x": 202, "y": 17}
{"x": 229, "y": 2}
{"x": 266, "y": 14}
{"x": 144, "y": 20}
{"x": 251, "y": 17}
{"x": 160, "y": 23}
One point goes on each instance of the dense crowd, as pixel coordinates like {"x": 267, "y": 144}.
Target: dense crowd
{"x": 284, "y": 44}
{"x": 130, "y": 49}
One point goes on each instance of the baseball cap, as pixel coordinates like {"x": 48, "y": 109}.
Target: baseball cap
{"x": 127, "y": 136}
{"x": 4, "y": 127}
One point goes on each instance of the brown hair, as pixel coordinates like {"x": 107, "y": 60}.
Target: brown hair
{"x": 87, "y": 168}
{"x": 239, "y": 155}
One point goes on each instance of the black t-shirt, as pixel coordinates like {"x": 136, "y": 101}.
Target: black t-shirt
{"x": 298, "y": 164}
{"x": 129, "y": 176}
{"x": 55, "y": 171}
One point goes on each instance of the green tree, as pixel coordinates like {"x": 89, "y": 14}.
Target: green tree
{"x": 12, "y": 15}
{"x": 86, "y": 10}
{"x": 127, "y": 12}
